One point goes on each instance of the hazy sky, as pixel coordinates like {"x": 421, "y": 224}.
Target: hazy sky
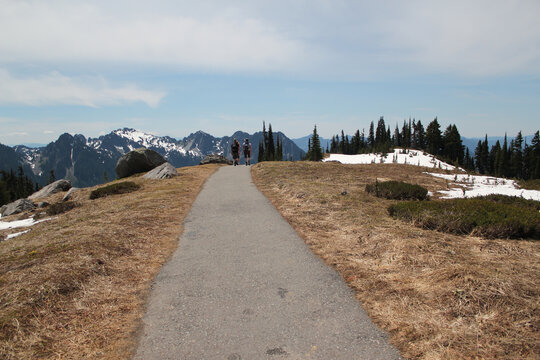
{"x": 175, "y": 67}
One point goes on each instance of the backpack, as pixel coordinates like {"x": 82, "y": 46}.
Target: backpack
{"x": 234, "y": 147}
{"x": 246, "y": 147}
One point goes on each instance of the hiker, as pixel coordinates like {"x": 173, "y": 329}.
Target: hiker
{"x": 247, "y": 152}
{"x": 235, "y": 149}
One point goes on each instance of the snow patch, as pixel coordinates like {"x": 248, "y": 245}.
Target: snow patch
{"x": 478, "y": 185}
{"x": 11, "y": 236}
{"x": 20, "y": 223}
{"x": 399, "y": 156}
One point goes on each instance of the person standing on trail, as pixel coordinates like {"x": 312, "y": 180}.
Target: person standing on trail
{"x": 247, "y": 152}
{"x": 235, "y": 149}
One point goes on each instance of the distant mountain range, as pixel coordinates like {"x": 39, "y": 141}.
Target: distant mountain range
{"x": 88, "y": 161}
{"x": 302, "y": 142}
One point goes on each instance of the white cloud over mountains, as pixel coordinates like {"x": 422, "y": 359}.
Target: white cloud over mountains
{"x": 315, "y": 38}
{"x": 57, "y": 89}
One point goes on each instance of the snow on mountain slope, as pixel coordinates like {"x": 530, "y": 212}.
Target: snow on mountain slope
{"x": 399, "y": 156}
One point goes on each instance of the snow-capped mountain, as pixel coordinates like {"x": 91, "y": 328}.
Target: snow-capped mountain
{"x": 90, "y": 161}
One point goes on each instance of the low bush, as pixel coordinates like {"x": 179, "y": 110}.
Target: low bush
{"x": 60, "y": 207}
{"x": 397, "y": 190}
{"x": 533, "y": 184}
{"x": 490, "y": 217}
{"x": 112, "y": 189}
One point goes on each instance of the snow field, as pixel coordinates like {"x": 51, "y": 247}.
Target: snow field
{"x": 399, "y": 156}
{"x": 464, "y": 185}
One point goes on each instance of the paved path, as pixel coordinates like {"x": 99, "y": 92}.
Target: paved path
{"x": 243, "y": 285}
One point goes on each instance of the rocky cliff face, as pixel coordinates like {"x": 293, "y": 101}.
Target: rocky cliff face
{"x": 90, "y": 161}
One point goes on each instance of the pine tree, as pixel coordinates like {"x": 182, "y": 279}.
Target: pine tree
{"x": 419, "y": 136}
{"x": 279, "y": 149}
{"x": 271, "y": 150}
{"x": 371, "y": 137}
{"x": 433, "y": 138}
{"x": 516, "y": 160}
{"x": 534, "y": 160}
{"x": 314, "y": 147}
{"x": 480, "y": 166}
{"x": 51, "y": 178}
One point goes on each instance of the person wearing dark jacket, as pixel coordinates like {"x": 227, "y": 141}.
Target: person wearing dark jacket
{"x": 235, "y": 150}
{"x": 247, "y": 151}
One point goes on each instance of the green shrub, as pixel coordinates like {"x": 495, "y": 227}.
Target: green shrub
{"x": 60, "y": 207}
{"x": 533, "y": 184}
{"x": 397, "y": 190}
{"x": 112, "y": 189}
{"x": 488, "y": 217}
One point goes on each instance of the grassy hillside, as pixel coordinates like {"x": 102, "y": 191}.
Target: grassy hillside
{"x": 74, "y": 287}
{"x": 440, "y": 296}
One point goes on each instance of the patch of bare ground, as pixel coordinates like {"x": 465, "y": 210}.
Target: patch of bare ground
{"x": 440, "y": 296}
{"x": 74, "y": 287}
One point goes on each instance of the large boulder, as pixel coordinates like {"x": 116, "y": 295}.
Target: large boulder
{"x": 163, "y": 171}
{"x": 17, "y": 207}
{"x": 138, "y": 161}
{"x": 216, "y": 159}
{"x": 70, "y": 193}
{"x": 57, "y": 186}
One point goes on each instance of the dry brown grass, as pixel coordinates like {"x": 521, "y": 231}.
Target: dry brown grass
{"x": 440, "y": 296}
{"x": 74, "y": 287}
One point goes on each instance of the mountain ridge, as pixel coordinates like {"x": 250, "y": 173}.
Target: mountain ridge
{"x": 91, "y": 161}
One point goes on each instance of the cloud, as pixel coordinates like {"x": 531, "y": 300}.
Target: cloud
{"x": 57, "y": 89}
{"x": 482, "y": 37}
{"x": 79, "y": 32}
{"x": 338, "y": 39}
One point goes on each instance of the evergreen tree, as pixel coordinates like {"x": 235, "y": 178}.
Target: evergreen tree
{"x": 468, "y": 162}
{"x": 480, "y": 166}
{"x": 51, "y": 178}
{"x": 380, "y": 134}
{"x": 279, "y": 149}
{"x": 494, "y": 155}
{"x": 314, "y": 147}
{"x": 533, "y": 160}
{"x": 260, "y": 155}
{"x": 452, "y": 148}
{"x": 355, "y": 143}
{"x": 433, "y": 138}
{"x": 271, "y": 150}
{"x": 371, "y": 137}
{"x": 419, "y": 136}
{"x": 396, "y": 140}
{"x": 516, "y": 160}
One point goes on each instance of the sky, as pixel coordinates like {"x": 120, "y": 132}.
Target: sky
{"x": 176, "y": 67}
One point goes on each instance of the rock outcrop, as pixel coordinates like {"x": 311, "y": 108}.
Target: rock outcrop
{"x": 70, "y": 193}
{"x": 57, "y": 186}
{"x": 138, "y": 161}
{"x": 163, "y": 171}
{"x": 17, "y": 207}
{"x": 216, "y": 159}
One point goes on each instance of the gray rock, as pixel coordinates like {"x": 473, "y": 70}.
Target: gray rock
{"x": 216, "y": 159}
{"x": 69, "y": 194}
{"x": 163, "y": 171}
{"x": 17, "y": 207}
{"x": 43, "y": 204}
{"x": 138, "y": 161}
{"x": 57, "y": 186}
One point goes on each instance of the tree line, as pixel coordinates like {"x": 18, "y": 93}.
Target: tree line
{"x": 15, "y": 186}
{"x": 511, "y": 159}
{"x": 268, "y": 150}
